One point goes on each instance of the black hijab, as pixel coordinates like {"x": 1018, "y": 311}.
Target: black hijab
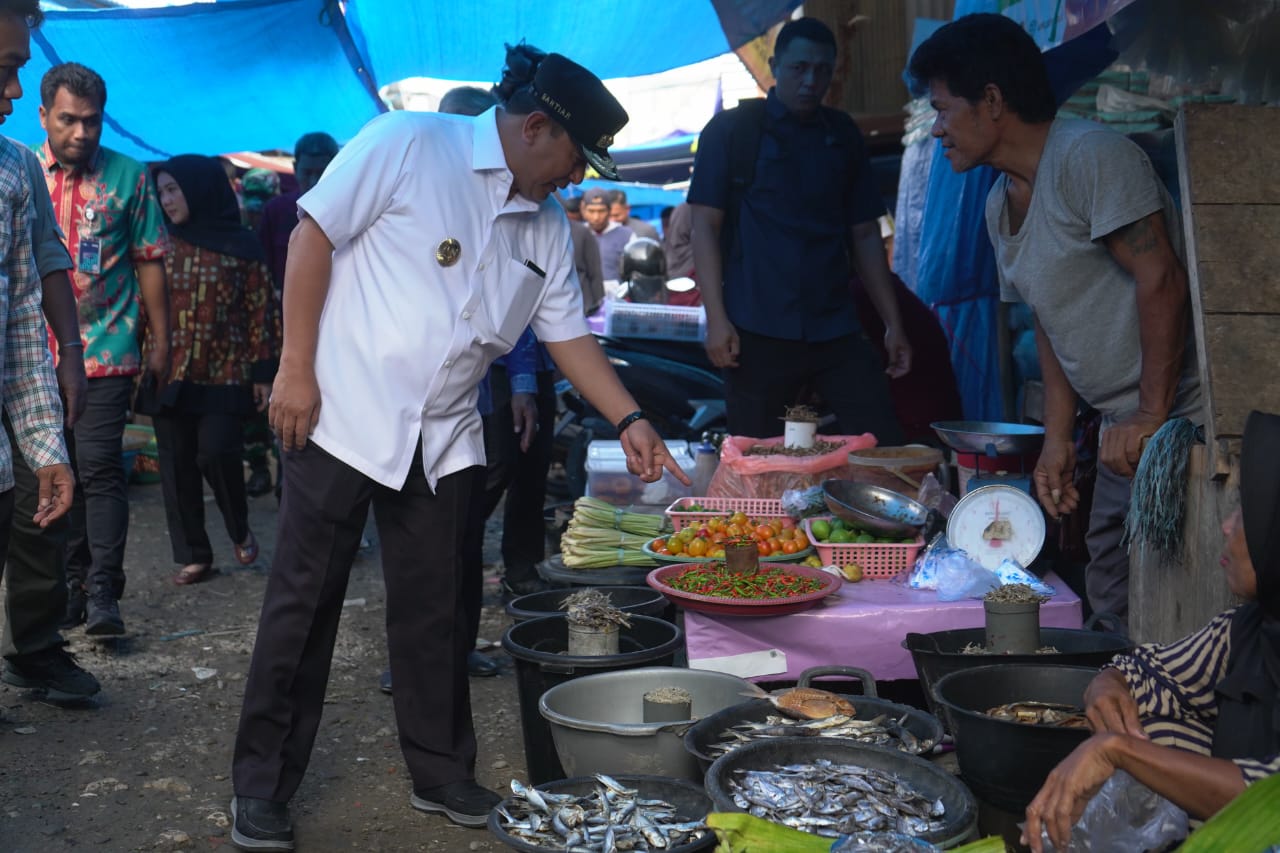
{"x": 1249, "y": 695}
{"x": 214, "y": 214}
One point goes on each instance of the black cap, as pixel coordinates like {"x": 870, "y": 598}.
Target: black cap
{"x": 576, "y": 98}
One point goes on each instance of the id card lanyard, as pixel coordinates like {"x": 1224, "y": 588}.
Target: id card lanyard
{"x": 89, "y": 253}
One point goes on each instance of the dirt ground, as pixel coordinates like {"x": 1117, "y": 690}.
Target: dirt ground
{"x": 146, "y": 767}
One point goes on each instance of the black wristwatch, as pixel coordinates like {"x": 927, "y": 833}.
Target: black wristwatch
{"x": 629, "y": 420}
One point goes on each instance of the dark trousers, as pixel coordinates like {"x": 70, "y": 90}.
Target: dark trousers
{"x": 259, "y": 442}
{"x": 35, "y": 569}
{"x": 845, "y": 371}
{"x": 523, "y": 478}
{"x": 322, "y": 516}
{"x": 1106, "y": 578}
{"x": 196, "y": 447}
{"x": 99, "y": 517}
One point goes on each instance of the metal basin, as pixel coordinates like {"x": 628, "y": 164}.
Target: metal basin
{"x": 874, "y": 508}
{"x": 989, "y": 438}
{"x": 597, "y": 722}
{"x": 1006, "y": 763}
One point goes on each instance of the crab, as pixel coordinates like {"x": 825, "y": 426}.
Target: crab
{"x": 807, "y": 703}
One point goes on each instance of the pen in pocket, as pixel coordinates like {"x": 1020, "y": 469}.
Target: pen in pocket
{"x": 537, "y": 270}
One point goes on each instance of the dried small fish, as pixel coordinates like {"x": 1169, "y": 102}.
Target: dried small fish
{"x": 829, "y": 799}
{"x": 979, "y": 649}
{"x": 611, "y": 818}
{"x": 879, "y": 731}
{"x": 1041, "y": 714}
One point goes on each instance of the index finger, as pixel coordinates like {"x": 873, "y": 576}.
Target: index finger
{"x": 671, "y": 465}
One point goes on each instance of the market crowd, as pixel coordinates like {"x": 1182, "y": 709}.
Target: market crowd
{"x": 393, "y": 324}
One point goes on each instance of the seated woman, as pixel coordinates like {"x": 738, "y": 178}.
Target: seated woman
{"x": 222, "y": 350}
{"x": 1198, "y": 720}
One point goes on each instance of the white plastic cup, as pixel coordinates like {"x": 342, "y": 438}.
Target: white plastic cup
{"x": 799, "y": 434}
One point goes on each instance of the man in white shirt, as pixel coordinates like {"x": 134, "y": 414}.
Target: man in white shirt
{"x": 428, "y": 246}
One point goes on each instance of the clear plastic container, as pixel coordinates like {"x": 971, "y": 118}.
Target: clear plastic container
{"x": 609, "y": 480}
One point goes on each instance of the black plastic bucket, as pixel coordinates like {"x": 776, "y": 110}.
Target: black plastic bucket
{"x": 942, "y": 652}
{"x": 639, "y": 600}
{"x": 1006, "y": 763}
{"x": 539, "y": 648}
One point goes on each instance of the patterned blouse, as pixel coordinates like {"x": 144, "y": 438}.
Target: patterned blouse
{"x": 1174, "y": 686}
{"x": 223, "y": 327}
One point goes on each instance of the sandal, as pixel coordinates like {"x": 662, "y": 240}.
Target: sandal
{"x": 193, "y": 573}
{"x": 247, "y": 551}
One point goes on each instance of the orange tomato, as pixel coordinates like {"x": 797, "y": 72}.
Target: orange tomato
{"x": 790, "y": 547}
{"x": 658, "y": 544}
{"x": 697, "y": 548}
{"x": 775, "y": 544}
{"x": 801, "y": 540}
{"x": 739, "y": 518}
{"x": 786, "y": 534}
{"x": 763, "y": 549}
{"x": 764, "y": 531}
{"x": 735, "y": 530}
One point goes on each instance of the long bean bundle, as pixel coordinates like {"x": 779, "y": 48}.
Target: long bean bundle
{"x": 592, "y": 512}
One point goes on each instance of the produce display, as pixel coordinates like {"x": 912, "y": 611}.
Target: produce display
{"x": 835, "y": 531}
{"x": 773, "y": 537}
{"x": 600, "y": 535}
{"x": 611, "y": 818}
{"x": 829, "y": 799}
{"x": 713, "y": 580}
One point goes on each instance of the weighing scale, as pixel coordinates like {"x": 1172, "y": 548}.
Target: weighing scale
{"x": 1003, "y": 449}
{"x": 996, "y": 522}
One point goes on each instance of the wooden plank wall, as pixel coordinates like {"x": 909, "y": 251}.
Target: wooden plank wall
{"x": 1231, "y": 219}
{"x": 1231, "y": 222}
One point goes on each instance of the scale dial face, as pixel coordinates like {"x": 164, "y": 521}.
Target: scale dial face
{"x": 994, "y": 523}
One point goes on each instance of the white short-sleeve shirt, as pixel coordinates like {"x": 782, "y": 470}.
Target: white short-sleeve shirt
{"x": 404, "y": 339}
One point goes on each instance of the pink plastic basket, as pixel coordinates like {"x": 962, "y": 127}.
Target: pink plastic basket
{"x": 879, "y": 560}
{"x": 762, "y": 508}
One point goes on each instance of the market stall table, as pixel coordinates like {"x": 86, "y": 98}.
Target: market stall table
{"x": 863, "y": 625}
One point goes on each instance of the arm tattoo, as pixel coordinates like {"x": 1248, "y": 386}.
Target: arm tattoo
{"x": 1140, "y": 237}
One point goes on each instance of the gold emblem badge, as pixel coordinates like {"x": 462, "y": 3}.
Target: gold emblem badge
{"x": 604, "y": 141}
{"x": 448, "y": 252}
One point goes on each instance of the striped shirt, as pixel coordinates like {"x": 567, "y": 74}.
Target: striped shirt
{"x": 30, "y": 389}
{"x": 1174, "y": 686}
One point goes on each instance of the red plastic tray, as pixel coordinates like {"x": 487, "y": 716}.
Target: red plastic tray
{"x": 727, "y": 607}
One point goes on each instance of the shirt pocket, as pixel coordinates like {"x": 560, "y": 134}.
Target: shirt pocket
{"x": 511, "y": 300}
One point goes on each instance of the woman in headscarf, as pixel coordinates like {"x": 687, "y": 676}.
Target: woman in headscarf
{"x": 223, "y": 345}
{"x": 1198, "y": 720}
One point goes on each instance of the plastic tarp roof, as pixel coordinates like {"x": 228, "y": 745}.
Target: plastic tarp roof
{"x": 239, "y": 75}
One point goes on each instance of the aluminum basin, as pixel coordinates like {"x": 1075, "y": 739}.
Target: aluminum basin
{"x": 597, "y": 722}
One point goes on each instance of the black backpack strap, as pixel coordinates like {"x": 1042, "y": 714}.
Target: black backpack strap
{"x": 744, "y": 151}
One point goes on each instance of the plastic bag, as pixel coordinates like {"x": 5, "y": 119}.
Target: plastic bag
{"x": 933, "y": 496}
{"x": 769, "y": 475}
{"x": 1011, "y": 571}
{"x": 952, "y": 572}
{"x": 802, "y": 503}
{"x": 1124, "y": 815}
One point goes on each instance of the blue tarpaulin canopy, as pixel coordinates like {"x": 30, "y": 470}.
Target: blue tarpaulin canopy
{"x": 256, "y": 74}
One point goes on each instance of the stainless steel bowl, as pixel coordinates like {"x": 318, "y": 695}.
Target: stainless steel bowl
{"x": 874, "y": 508}
{"x": 989, "y": 438}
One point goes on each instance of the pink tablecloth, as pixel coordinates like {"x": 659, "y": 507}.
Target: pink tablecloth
{"x": 862, "y": 625}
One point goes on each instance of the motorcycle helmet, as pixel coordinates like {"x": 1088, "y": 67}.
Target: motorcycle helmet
{"x": 643, "y": 268}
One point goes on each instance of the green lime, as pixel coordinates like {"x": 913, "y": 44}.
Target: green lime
{"x": 838, "y": 524}
{"x": 864, "y": 538}
{"x": 821, "y": 529}
{"x": 840, "y": 536}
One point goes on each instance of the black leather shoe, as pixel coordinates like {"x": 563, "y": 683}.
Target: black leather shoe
{"x": 384, "y": 682}
{"x": 481, "y": 666}
{"x": 260, "y": 824}
{"x": 259, "y": 483}
{"x": 76, "y": 601}
{"x": 465, "y": 803}
{"x": 103, "y": 618}
{"x": 52, "y": 670}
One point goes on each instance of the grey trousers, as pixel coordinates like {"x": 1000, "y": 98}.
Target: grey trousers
{"x": 1107, "y": 575}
